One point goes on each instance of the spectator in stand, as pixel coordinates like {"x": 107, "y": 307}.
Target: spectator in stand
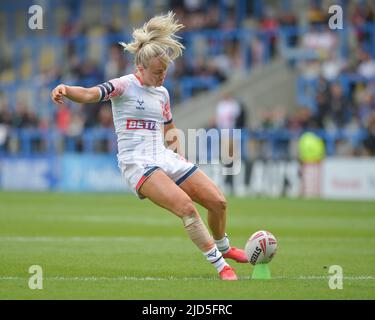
{"x": 288, "y": 21}
{"x": 105, "y": 116}
{"x": 230, "y": 21}
{"x": 63, "y": 119}
{"x": 315, "y": 14}
{"x": 228, "y": 113}
{"x": 212, "y": 17}
{"x": 369, "y": 143}
{"x": 366, "y": 106}
{"x": 320, "y": 42}
{"x": 23, "y": 117}
{"x": 116, "y": 64}
{"x": 366, "y": 67}
{"x": 5, "y": 123}
{"x": 105, "y": 122}
{"x": 269, "y": 24}
{"x": 299, "y": 120}
{"x": 322, "y": 105}
{"x": 5, "y": 115}
{"x": 332, "y": 66}
{"x": 90, "y": 73}
{"x": 339, "y": 111}
{"x": 266, "y": 119}
{"x": 363, "y": 15}
{"x": 257, "y": 52}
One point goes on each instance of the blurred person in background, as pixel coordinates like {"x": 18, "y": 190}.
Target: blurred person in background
{"x": 369, "y": 142}
{"x": 230, "y": 114}
{"x": 227, "y": 111}
{"x": 339, "y": 106}
{"x": 366, "y": 66}
{"x": 117, "y": 64}
{"x": 5, "y": 123}
{"x": 365, "y": 106}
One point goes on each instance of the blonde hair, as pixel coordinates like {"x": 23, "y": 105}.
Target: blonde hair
{"x": 156, "y": 39}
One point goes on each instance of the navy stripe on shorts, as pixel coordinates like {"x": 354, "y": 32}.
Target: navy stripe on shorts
{"x": 186, "y": 175}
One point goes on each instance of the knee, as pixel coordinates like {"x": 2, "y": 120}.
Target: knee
{"x": 187, "y": 208}
{"x": 220, "y": 204}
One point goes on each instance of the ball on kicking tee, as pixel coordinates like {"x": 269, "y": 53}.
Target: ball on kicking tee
{"x": 261, "y": 247}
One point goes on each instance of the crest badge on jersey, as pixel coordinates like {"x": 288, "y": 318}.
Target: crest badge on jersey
{"x": 140, "y": 102}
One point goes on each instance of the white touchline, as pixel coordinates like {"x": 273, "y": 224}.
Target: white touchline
{"x": 148, "y": 238}
{"x": 85, "y": 239}
{"x": 174, "y": 278}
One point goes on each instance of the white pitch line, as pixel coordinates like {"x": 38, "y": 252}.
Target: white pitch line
{"x": 138, "y": 238}
{"x": 85, "y": 239}
{"x": 327, "y": 277}
{"x": 107, "y": 219}
{"x": 171, "y": 278}
{"x": 125, "y": 278}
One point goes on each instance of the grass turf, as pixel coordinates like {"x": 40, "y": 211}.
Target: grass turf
{"x": 104, "y": 246}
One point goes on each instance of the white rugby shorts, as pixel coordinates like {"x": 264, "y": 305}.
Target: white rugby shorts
{"x": 173, "y": 165}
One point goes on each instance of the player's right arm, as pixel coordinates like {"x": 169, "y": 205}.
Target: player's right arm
{"x": 76, "y": 94}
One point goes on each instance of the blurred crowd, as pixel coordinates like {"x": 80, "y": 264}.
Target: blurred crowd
{"x": 315, "y": 51}
{"x": 342, "y": 86}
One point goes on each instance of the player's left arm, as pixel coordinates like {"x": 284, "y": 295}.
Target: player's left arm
{"x": 171, "y": 137}
{"x": 171, "y": 133}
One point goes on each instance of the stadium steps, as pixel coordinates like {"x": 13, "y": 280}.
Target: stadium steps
{"x": 269, "y": 86}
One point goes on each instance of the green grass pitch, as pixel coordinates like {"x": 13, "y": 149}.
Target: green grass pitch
{"x": 113, "y": 246}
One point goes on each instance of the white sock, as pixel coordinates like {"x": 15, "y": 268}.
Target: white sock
{"x": 215, "y": 257}
{"x": 223, "y": 244}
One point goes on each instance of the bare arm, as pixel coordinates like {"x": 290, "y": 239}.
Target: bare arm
{"x": 171, "y": 137}
{"x": 76, "y": 94}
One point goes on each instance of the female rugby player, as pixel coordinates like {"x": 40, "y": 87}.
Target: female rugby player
{"x": 142, "y": 117}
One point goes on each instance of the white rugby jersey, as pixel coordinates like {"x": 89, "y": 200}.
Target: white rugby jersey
{"x": 139, "y": 113}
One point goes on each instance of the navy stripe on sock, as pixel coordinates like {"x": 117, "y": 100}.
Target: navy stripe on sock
{"x": 221, "y": 257}
{"x": 224, "y": 250}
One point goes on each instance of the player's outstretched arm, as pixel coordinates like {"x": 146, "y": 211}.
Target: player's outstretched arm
{"x": 76, "y": 94}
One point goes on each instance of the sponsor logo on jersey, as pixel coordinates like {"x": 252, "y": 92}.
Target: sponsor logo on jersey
{"x": 137, "y": 124}
{"x": 140, "y": 107}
